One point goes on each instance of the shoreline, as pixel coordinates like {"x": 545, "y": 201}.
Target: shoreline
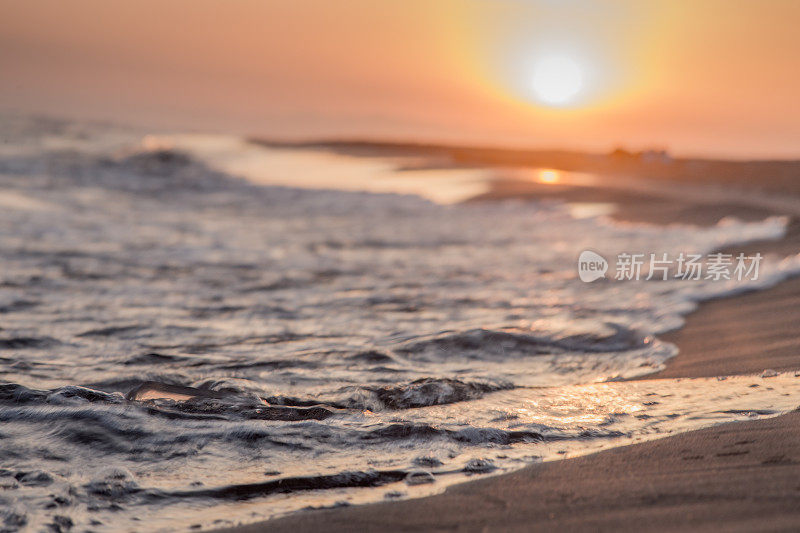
{"x": 739, "y": 476}
{"x": 731, "y": 474}
{"x": 733, "y": 477}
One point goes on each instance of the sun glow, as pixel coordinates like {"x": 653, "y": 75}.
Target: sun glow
{"x": 557, "y": 80}
{"x": 549, "y": 176}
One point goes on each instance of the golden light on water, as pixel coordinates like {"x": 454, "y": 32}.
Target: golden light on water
{"x": 547, "y": 175}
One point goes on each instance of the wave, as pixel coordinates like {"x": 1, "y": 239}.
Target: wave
{"x": 419, "y": 393}
{"x": 515, "y": 343}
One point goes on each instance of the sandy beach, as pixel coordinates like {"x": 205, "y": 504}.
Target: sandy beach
{"x": 740, "y": 476}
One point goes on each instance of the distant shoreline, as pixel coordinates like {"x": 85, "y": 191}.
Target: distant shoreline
{"x": 769, "y": 175}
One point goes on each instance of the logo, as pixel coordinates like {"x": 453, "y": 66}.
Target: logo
{"x": 591, "y": 266}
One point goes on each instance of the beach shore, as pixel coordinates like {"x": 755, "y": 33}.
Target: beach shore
{"x": 739, "y": 476}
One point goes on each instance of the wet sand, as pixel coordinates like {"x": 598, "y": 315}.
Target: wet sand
{"x": 744, "y": 334}
{"x": 742, "y": 476}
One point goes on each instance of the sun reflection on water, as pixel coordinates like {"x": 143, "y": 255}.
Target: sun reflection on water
{"x": 548, "y": 175}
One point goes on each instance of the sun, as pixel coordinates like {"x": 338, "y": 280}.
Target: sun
{"x": 557, "y": 80}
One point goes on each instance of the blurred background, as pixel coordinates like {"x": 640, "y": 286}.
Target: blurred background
{"x": 714, "y": 78}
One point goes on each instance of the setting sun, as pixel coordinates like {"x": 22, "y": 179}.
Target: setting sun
{"x": 557, "y": 80}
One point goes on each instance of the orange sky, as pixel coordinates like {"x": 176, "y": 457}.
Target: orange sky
{"x": 698, "y": 77}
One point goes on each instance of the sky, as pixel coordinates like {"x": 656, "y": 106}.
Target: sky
{"x": 703, "y": 77}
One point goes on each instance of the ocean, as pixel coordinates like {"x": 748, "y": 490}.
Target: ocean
{"x": 197, "y": 331}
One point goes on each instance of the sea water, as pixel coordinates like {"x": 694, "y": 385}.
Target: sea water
{"x": 208, "y": 333}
